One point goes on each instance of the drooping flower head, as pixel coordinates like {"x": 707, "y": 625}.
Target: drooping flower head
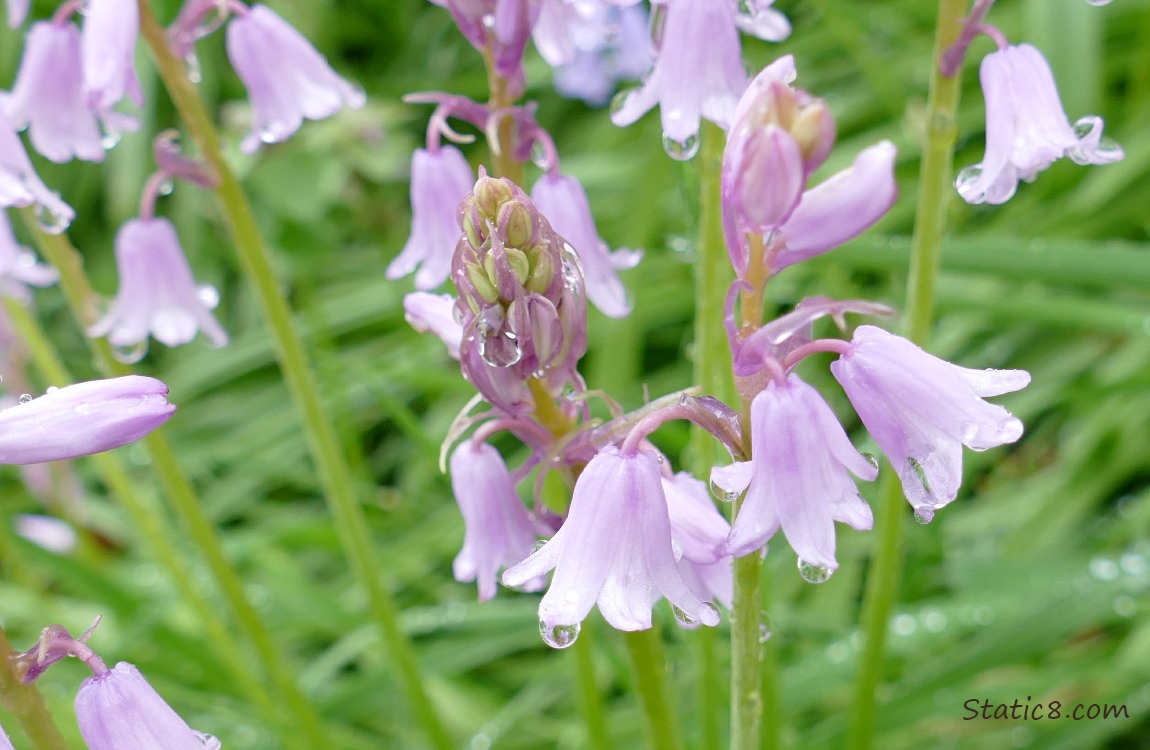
{"x": 501, "y": 26}
{"x": 286, "y": 78}
{"x": 593, "y": 44}
{"x": 18, "y": 266}
{"x": 613, "y": 550}
{"x": 1026, "y": 127}
{"x": 699, "y": 533}
{"x": 921, "y": 410}
{"x": 157, "y": 295}
{"x": 440, "y": 179}
{"x": 799, "y": 478}
{"x": 107, "y": 50}
{"x": 499, "y": 531}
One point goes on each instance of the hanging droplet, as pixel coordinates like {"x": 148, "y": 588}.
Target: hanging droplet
{"x": 967, "y": 177}
{"x": 683, "y": 617}
{"x": 166, "y": 187}
{"x": 621, "y": 100}
{"x": 558, "y": 636}
{"x": 53, "y": 388}
{"x": 871, "y": 459}
{"x": 131, "y": 353}
{"x": 208, "y": 295}
{"x": 923, "y": 516}
{"x": 765, "y": 632}
{"x": 500, "y": 349}
{"x": 919, "y": 472}
{"x": 723, "y": 495}
{"x": 488, "y": 21}
{"x": 25, "y": 398}
{"x": 539, "y": 155}
{"x": 813, "y": 573}
{"x": 195, "y": 73}
{"x": 109, "y": 139}
{"x": 209, "y": 742}
{"x": 51, "y": 221}
{"x": 684, "y": 150}
{"x": 538, "y": 546}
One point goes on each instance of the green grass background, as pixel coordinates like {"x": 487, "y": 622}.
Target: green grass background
{"x": 1033, "y": 583}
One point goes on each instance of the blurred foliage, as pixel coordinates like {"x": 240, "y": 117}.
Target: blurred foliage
{"x": 1033, "y": 586}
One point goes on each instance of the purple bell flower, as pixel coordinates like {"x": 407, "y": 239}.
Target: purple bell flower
{"x": 592, "y": 45}
{"x": 18, "y": 266}
{"x": 19, "y": 183}
{"x": 434, "y": 313}
{"x": 798, "y": 478}
{"x": 1026, "y": 127}
{"x": 563, "y": 201}
{"x": 499, "y": 28}
{"x": 108, "y": 48}
{"x": 49, "y": 97}
{"x": 698, "y": 73}
{"x": 81, "y": 419}
{"x": 614, "y": 549}
{"x": 921, "y": 410}
{"x": 699, "y": 532}
{"x": 499, "y": 530}
{"x": 17, "y": 12}
{"x": 119, "y": 710}
{"x": 440, "y": 179}
{"x": 157, "y": 292}
{"x": 286, "y": 78}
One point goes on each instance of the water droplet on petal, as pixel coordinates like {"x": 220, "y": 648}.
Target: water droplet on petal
{"x": 684, "y": 150}
{"x": 25, "y": 398}
{"x": 166, "y": 187}
{"x": 923, "y": 516}
{"x": 208, "y": 295}
{"x": 967, "y": 176}
{"x": 195, "y": 73}
{"x": 683, "y": 617}
{"x": 723, "y": 495}
{"x": 871, "y": 459}
{"x": 500, "y": 349}
{"x": 765, "y": 630}
{"x": 488, "y": 20}
{"x": 538, "y": 546}
{"x": 558, "y": 636}
{"x": 621, "y": 100}
{"x": 53, "y": 388}
{"x": 50, "y": 221}
{"x": 919, "y": 472}
{"x": 131, "y": 353}
{"x": 539, "y": 155}
{"x": 208, "y": 741}
{"x": 813, "y": 573}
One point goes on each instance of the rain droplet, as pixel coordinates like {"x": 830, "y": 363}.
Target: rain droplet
{"x": 166, "y": 187}
{"x": 208, "y": 295}
{"x": 723, "y": 495}
{"x": 558, "y": 636}
{"x": 765, "y": 630}
{"x": 919, "y": 472}
{"x": 51, "y": 221}
{"x": 538, "y": 546}
{"x": 967, "y": 176}
{"x": 488, "y": 21}
{"x": 923, "y": 516}
{"x": 621, "y": 100}
{"x": 25, "y": 398}
{"x": 500, "y": 349}
{"x": 871, "y": 459}
{"x": 208, "y": 741}
{"x": 813, "y": 573}
{"x": 683, "y": 617}
{"x": 684, "y": 150}
{"x": 195, "y": 73}
{"x": 539, "y": 155}
{"x": 53, "y": 389}
{"x": 131, "y": 353}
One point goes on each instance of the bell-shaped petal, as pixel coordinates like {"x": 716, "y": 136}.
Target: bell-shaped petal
{"x": 762, "y": 178}
{"x": 18, "y": 266}
{"x": 49, "y": 97}
{"x": 81, "y": 419}
{"x": 19, "y": 183}
{"x": 614, "y": 549}
{"x": 119, "y": 710}
{"x": 286, "y": 78}
{"x": 1026, "y": 127}
{"x": 564, "y": 202}
{"x": 17, "y": 12}
{"x": 698, "y": 71}
{"x": 800, "y": 477}
{"x": 700, "y": 532}
{"x": 440, "y": 179}
{"x": 840, "y": 208}
{"x": 157, "y": 292}
{"x": 499, "y": 530}
{"x": 434, "y": 313}
{"x": 107, "y": 50}
{"x": 921, "y": 410}
{"x": 758, "y": 18}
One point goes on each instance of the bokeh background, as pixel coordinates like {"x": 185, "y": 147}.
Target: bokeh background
{"x": 1034, "y": 583}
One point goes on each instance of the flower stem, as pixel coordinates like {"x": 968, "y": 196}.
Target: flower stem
{"x": 746, "y": 654}
{"x": 650, "y": 668}
{"x": 26, "y": 704}
{"x": 589, "y": 701}
{"x": 58, "y": 251}
{"x": 334, "y": 472}
{"x": 935, "y": 191}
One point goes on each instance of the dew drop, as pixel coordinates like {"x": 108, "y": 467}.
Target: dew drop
{"x": 500, "y": 349}
{"x": 684, "y": 150}
{"x": 871, "y": 459}
{"x": 765, "y": 630}
{"x": 923, "y": 516}
{"x": 539, "y": 155}
{"x": 723, "y": 495}
{"x": 538, "y": 546}
{"x": 195, "y": 72}
{"x": 53, "y": 389}
{"x": 967, "y": 177}
{"x": 166, "y": 187}
{"x": 51, "y": 221}
{"x": 621, "y": 100}
{"x": 558, "y": 636}
{"x": 813, "y": 573}
{"x": 208, "y": 295}
{"x": 210, "y": 742}
{"x": 919, "y": 472}
{"x": 488, "y": 21}
{"x": 25, "y": 398}
{"x": 131, "y": 353}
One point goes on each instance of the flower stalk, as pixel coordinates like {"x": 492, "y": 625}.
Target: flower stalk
{"x": 26, "y": 703}
{"x": 935, "y": 193}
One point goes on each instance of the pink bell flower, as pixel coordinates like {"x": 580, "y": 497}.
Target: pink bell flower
{"x": 19, "y": 184}
{"x": 921, "y": 410}
{"x": 107, "y": 50}
{"x": 18, "y": 266}
{"x": 286, "y": 78}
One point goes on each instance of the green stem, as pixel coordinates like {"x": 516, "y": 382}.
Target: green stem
{"x": 25, "y": 702}
{"x": 334, "y": 473}
{"x": 650, "y": 668}
{"x": 590, "y": 702}
{"x": 935, "y": 193}
{"x": 746, "y": 654}
{"x": 712, "y": 372}
{"x": 58, "y": 251}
